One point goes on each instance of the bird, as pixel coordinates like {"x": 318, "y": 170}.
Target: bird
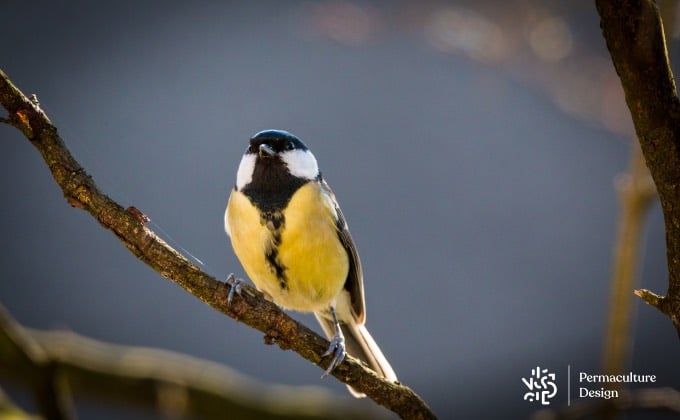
{"x": 287, "y": 230}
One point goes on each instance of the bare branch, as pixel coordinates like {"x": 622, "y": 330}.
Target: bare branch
{"x": 250, "y": 308}
{"x": 174, "y": 384}
{"x": 635, "y": 39}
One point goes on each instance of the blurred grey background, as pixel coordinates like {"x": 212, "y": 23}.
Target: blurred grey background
{"x": 473, "y": 147}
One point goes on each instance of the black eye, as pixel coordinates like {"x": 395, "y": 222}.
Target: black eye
{"x": 290, "y": 145}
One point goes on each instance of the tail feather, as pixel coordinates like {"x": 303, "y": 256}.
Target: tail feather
{"x": 360, "y": 344}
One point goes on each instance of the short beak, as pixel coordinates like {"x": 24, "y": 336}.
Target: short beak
{"x": 266, "y": 151}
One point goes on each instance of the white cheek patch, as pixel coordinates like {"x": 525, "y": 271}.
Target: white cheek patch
{"x": 301, "y": 163}
{"x": 245, "y": 171}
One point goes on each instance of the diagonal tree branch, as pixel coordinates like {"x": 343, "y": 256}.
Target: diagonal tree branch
{"x": 249, "y": 308}
{"x": 634, "y": 34}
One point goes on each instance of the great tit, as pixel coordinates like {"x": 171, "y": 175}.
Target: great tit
{"x": 289, "y": 234}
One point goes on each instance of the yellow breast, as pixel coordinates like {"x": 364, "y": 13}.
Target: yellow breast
{"x": 314, "y": 261}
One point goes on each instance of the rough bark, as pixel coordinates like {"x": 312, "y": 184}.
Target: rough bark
{"x": 635, "y": 38}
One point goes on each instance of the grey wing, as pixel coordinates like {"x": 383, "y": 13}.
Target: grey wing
{"x": 354, "y": 283}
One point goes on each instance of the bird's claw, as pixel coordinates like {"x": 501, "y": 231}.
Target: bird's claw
{"x": 337, "y": 350}
{"x": 235, "y": 286}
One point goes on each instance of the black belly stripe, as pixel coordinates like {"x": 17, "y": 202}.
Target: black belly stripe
{"x": 274, "y": 221}
{"x": 272, "y": 257}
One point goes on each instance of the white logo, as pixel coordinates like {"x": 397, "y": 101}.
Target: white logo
{"x": 541, "y": 386}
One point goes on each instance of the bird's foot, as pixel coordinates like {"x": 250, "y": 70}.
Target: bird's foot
{"x": 337, "y": 350}
{"x": 234, "y": 287}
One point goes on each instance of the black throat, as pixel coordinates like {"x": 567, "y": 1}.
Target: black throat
{"x": 272, "y": 186}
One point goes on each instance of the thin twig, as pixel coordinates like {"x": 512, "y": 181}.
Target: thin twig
{"x": 636, "y": 193}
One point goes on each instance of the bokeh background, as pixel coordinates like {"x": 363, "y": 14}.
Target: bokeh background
{"x": 473, "y": 145}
